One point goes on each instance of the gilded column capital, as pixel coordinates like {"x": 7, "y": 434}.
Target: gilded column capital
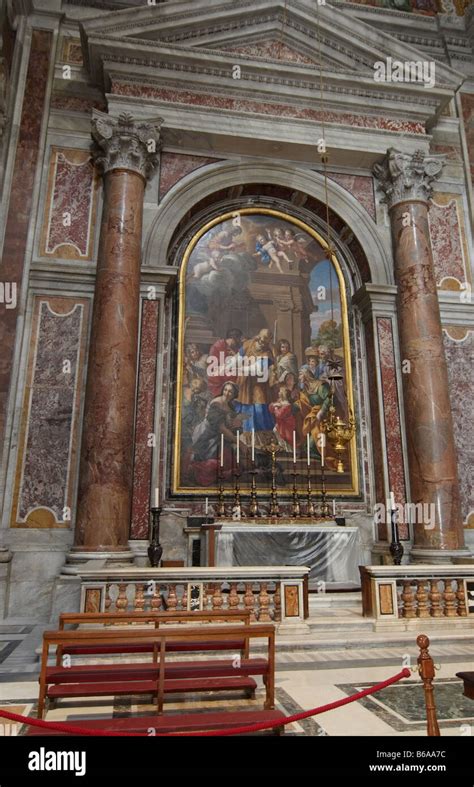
{"x": 123, "y": 143}
{"x": 405, "y": 176}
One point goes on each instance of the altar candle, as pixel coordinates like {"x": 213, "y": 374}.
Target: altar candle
{"x": 323, "y": 443}
{"x": 222, "y": 450}
{"x": 334, "y": 508}
{"x": 294, "y": 446}
{"x": 307, "y": 449}
{"x": 238, "y": 447}
{"x": 207, "y": 505}
{"x": 157, "y": 497}
{"x": 253, "y": 445}
{"x": 392, "y": 501}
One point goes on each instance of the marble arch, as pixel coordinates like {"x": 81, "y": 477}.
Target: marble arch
{"x": 213, "y": 178}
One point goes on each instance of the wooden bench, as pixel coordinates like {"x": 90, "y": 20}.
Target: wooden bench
{"x": 157, "y": 677}
{"x": 152, "y": 618}
{"x": 468, "y": 678}
{"x": 182, "y": 722}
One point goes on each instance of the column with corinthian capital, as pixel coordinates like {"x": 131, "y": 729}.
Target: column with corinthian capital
{"x": 407, "y": 182}
{"x": 127, "y": 152}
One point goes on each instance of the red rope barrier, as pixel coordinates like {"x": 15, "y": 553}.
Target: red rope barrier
{"x": 68, "y": 729}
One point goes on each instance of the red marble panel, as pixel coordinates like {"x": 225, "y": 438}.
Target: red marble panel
{"x": 377, "y": 453}
{"x": 76, "y": 103}
{"x": 188, "y": 97}
{"x": 273, "y": 49}
{"x": 19, "y": 209}
{"x": 467, "y": 104}
{"x": 360, "y": 186}
{"x": 391, "y": 409}
{"x": 446, "y": 242}
{"x": 72, "y": 192}
{"x": 174, "y": 166}
{"x": 144, "y": 424}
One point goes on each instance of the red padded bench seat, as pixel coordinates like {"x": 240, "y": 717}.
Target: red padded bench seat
{"x": 186, "y": 722}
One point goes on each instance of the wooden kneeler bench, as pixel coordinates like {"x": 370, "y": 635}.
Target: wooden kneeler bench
{"x": 159, "y": 676}
{"x": 155, "y": 619}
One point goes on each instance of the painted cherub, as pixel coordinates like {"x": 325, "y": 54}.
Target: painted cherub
{"x": 269, "y": 255}
{"x": 211, "y": 264}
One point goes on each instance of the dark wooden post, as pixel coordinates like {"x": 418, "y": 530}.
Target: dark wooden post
{"x": 426, "y": 671}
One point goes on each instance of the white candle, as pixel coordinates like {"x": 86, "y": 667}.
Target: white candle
{"x": 307, "y": 449}
{"x": 294, "y": 446}
{"x": 392, "y": 501}
{"x": 334, "y": 508}
{"x": 157, "y": 497}
{"x": 207, "y": 505}
{"x": 238, "y": 447}
{"x": 323, "y": 443}
{"x": 222, "y": 450}
{"x": 253, "y": 445}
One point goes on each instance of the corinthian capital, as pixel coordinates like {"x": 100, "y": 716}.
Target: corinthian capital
{"x": 122, "y": 143}
{"x": 405, "y": 176}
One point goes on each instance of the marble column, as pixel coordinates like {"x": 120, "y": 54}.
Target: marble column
{"x": 407, "y": 183}
{"x": 126, "y": 152}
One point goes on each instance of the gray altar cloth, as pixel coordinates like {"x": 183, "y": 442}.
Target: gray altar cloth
{"x": 331, "y": 552}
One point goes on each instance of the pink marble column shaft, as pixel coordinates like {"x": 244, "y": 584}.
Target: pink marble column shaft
{"x": 429, "y": 426}
{"x": 126, "y": 152}
{"x": 105, "y": 484}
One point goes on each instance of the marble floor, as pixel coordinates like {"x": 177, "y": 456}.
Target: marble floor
{"x": 339, "y": 655}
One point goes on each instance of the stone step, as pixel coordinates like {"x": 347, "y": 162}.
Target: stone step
{"x": 352, "y": 600}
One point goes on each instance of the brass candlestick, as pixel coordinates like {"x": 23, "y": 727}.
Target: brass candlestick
{"x": 272, "y": 449}
{"x": 310, "y": 512}
{"x": 236, "y": 509}
{"x": 220, "y": 501}
{"x": 253, "y": 509}
{"x": 155, "y": 550}
{"x": 324, "y": 503}
{"x": 296, "y": 508}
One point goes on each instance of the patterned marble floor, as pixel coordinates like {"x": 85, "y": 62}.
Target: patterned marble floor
{"x": 309, "y": 673}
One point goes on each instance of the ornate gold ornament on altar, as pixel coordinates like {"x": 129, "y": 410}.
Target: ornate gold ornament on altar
{"x": 339, "y": 432}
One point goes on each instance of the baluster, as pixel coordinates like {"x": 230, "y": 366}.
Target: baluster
{"x": 139, "y": 598}
{"x": 408, "y": 598}
{"x": 449, "y": 599}
{"x": 264, "y": 601}
{"x": 233, "y": 596}
{"x": 172, "y": 601}
{"x": 217, "y": 600}
{"x": 277, "y": 600}
{"x": 121, "y": 602}
{"x": 108, "y": 599}
{"x": 208, "y": 592}
{"x": 435, "y": 599}
{"x": 156, "y": 598}
{"x": 461, "y": 597}
{"x": 422, "y": 599}
{"x": 249, "y": 601}
{"x": 184, "y": 597}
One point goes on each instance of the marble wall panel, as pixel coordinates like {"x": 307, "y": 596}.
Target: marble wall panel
{"x": 145, "y": 418}
{"x": 391, "y": 410}
{"x": 360, "y": 186}
{"x": 20, "y": 204}
{"x": 459, "y": 350}
{"x": 188, "y": 97}
{"x": 71, "y": 51}
{"x": 48, "y": 447}
{"x": 70, "y": 213}
{"x": 377, "y": 451}
{"x": 174, "y": 166}
{"x": 467, "y": 104}
{"x": 448, "y": 240}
